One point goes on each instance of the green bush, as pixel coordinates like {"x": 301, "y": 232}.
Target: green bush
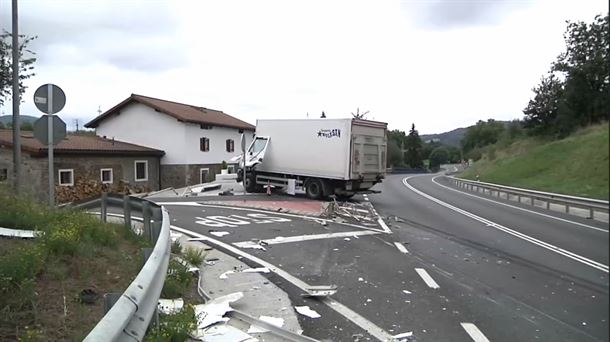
{"x": 178, "y": 281}
{"x": 194, "y": 256}
{"x": 176, "y": 247}
{"x": 174, "y": 328}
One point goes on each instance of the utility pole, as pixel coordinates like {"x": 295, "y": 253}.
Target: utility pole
{"x": 16, "y": 103}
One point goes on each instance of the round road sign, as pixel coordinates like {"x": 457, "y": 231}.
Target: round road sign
{"x": 49, "y": 94}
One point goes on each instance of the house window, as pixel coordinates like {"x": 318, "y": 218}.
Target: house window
{"x": 231, "y": 168}
{"x": 203, "y": 175}
{"x": 204, "y": 144}
{"x": 240, "y": 130}
{"x": 230, "y": 145}
{"x": 66, "y": 177}
{"x": 106, "y": 176}
{"x": 3, "y": 174}
{"x": 204, "y": 126}
{"x": 141, "y": 168}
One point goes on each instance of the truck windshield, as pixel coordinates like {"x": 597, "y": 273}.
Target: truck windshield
{"x": 258, "y": 146}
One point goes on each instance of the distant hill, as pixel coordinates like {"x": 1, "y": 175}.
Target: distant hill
{"x": 451, "y": 138}
{"x": 6, "y": 119}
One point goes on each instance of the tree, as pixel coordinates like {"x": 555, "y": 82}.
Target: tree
{"x": 482, "y": 134}
{"x": 27, "y": 126}
{"x": 359, "y": 115}
{"x": 396, "y": 141}
{"x": 413, "y": 146}
{"x": 541, "y": 111}
{"x": 26, "y": 65}
{"x": 1, "y": 125}
{"x": 439, "y": 156}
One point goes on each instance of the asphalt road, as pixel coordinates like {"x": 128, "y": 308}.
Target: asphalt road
{"x": 463, "y": 267}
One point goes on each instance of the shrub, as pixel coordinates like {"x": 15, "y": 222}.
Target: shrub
{"x": 194, "y": 256}
{"x": 178, "y": 281}
{"x": 174, "y": 328}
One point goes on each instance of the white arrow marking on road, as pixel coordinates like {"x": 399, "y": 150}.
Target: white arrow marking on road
{"x": 299, "y": 238}
{"x": 550, "y": 247}
{"x": 427, "y": 278}
{"x": 401, "y": 247}
{"x": 474, "y": 332}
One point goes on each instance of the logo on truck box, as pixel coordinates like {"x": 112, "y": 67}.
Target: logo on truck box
{"x": 329, "y": 133}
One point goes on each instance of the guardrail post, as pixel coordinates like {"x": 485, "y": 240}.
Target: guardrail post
{"x": 146, "y": 219}
{"x": 104, "y": 206}
{"x": 156, "y": 230}
{"x": 567, "y": 208}
{"x": 591, "y": 213}
{"x": 548, "y": 204}
{"x": 127, "y": 211}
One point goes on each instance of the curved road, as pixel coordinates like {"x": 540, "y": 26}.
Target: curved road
{"x": 515, "y": 274}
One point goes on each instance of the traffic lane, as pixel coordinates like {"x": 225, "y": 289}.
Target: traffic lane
{"x": 588, "y": 242}
{"x": 501, "y": 289}
{"x": 448, "y": 231}
{"x": 244, "y": 224}
{"x": 420, "y": 211}
{"x": 558, "y": 214}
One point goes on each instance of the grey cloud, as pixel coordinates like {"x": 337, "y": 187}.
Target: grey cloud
{"x": 449, "y": 14}
{"x": 137, "y": 35}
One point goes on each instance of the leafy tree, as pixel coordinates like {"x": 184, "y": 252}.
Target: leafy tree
{"x": 396, "y": 141}
{"x": 541, "y": 111}
{"x": 413, "y": 146}
{"x": 439, "y": 156}
{"x": 27, "y": 126}
{"x": 482, "y": 134}
{"x": 1, "y": 125}
{"x": 26, "y": 64}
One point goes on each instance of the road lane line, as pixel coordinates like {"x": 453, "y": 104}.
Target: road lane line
{"x": 184, "y": 204}
{"x": 401, "y": 247}
{"x": 381, "y": 222}
{"x": 427, "y": 278}
{"x": 346, "y": 312}
{"x": 515, "y": 207}
{"x": 474, "y": 332}
{"x": 299, "y": 238}
{"x": 550, "y": 247}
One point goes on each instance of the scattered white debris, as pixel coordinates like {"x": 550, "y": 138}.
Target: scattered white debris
{"x": 306, "y": 311}
{"x": 403, "y": 335}
{"x": 224, "y": 275}
{"x": 368, "y": 300}
{"x": 360, "y": 279}
{"x": 23, "y": 234}
{"x": 406, "y": 292}
{"x": 191, "y": 268}
{"x": 347, "y": 239}
{"x": 223, "y": 333}
{"x": 170, "y": 306}
{"x": 174, "y": 236}
{"x": 213, "y": 311}
{"x": 250, "y": 244}
{"x": 219, "y": 233}
{"x": 277, "y": 321}
{"x": 256, "y": 270}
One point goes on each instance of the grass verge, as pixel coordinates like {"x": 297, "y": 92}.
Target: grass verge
{"x": 577, "y": 165}
{"x": 41, "y": 280}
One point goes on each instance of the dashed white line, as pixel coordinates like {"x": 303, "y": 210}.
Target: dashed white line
{"x": 474, "y": 332}
{"x": 546, "y": 245}
{"x": 401, "y": 247}
{"x": 427, "y": 278}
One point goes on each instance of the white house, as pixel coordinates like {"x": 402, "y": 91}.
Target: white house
{"x": 196, "y": 140}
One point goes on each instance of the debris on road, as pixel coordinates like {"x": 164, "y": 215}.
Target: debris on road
{"x": 248, "y": 270}
{"x": 404, "y": 336}
{"x": 224, "y": 333}
{"x": 320, "y": 291}
{"x": 219, "y": 233}
{"x": 170, "y": 306}
{"x": 214, "y": 311}
{"x": 251, "y": 244}
{"x": 23, "y": 234}
{"x": 306, "y": 311}
{"x": 277, "y": 321}
{"x": 406, "y": 292}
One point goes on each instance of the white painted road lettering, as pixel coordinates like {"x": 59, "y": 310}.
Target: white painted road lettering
{"x": 427, "y": 278}
{"x": 233, "y": 221}
{"x": 474, "y": 332}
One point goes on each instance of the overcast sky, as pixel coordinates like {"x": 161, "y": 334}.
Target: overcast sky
{"x": 439, "y": 64}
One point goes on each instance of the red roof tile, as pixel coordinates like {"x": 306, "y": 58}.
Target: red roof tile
{"x": 77, "y": 144}
{"x": 180, "y": 111}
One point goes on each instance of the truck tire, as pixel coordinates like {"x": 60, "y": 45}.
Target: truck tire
{"x": 314, "y": 188}
{"x": 251, "y": 183}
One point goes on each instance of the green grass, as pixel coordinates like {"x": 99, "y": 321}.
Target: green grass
{"x": 577, "y": 165}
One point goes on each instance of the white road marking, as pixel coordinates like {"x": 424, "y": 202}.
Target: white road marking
{"x": 381, "y": 222}
{"x": 427, "y": 278}
{"x": 299, "y": 238}
{"x": 515, "y": 207}
{"x": 474, "y": 332}
{"x": 550, "y": 247}
{"x": 353, "y": 316}
{"x": 184, "y": 204}
{"x": 401, "y": 247}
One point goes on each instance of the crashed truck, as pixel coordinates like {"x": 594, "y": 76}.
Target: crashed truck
{"x": 323, "y": 157}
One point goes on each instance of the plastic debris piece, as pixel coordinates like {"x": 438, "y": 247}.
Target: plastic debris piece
{"x": 170, "y": 306}
{"x": 213, "y": 311}
{"x": 320, "y": 291}
{"x": 306, "y": 311}
{"x": 175, "y": 236}
{"x": 277, "y": 321}
{"x": 219, "y": 233}
{"x": 23, "y": 234}
{"x": 256, "y": 270}
{"x": 223, "y": 333}
{"x": 406, "y": 292}
{"x": 224, "y": 275}
{"x": 250, "y": 244}
{"x": 404, "y": 336}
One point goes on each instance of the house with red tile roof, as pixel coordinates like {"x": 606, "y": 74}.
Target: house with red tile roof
{"x": 84, "y": 166}
{"x": 196, "y": 140}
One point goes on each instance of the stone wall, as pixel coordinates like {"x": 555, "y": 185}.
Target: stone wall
{"x": 179, "y": 176}
{"x": 87, "y": 178}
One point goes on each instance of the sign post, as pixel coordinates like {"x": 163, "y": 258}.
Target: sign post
{"x": 243, "y": 150}
{"x": 50, "y": 99}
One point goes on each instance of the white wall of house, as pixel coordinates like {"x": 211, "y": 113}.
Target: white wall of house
{"x": 142, "y": 125}
{"x": 218, "y": 149}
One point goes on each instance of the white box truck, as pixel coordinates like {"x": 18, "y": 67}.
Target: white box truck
{"x": 321, "y": 156}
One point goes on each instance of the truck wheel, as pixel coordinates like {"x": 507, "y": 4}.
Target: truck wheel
{"x": 251, "y": 183}
{"x": 314, "y": 188}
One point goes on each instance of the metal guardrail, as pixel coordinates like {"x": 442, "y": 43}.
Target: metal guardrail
{"x": 129, "y": 317}
{"x": 548, "y": 198}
